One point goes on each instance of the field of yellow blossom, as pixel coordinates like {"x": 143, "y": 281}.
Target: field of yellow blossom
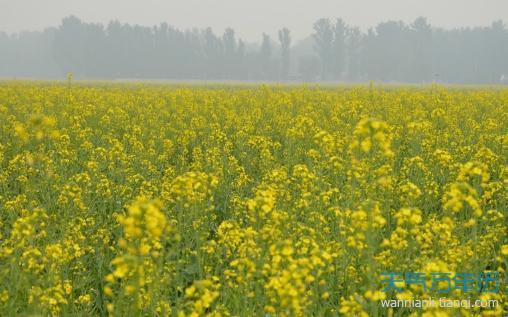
{"x": 187, "y": 200}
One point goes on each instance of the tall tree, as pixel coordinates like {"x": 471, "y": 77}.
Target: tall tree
{"x": 285, "y": 45}
{"x": 230, "y": 60}
{"x": 69, "y": 45}
{"x": 391, "y": 51}
{"x": 241, "y": 72}
{"x": 265, "y": 56}
{"x": 212, "y": 54}
{"x": 354, "y": 53}
{"x": 339, "y": 47}
{"x": 323, "y": 39}
{"x": 421, "y": 64}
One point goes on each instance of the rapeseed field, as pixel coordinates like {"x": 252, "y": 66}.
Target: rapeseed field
{"x": 165, "y": 200}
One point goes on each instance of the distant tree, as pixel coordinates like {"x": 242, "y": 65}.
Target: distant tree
{"x": 242, "y": 72}
{"x": 339, "y": 47}
{"x": 421, "y": 63}
{"x": 323, "y": 39}
{"x": 390, "y": 50}
{"x": 368, "y": 58}
{"x": 116, "y": 52}
{"x": 496, "y": 39}
{"x": 162, "y": 49}
{"x": 285, "y": 45}
{"x": 230, "y": 60}
{"x": 212, "y": 48}
{"x": 354, "y": 53}
{"x": 265, "y": 56}
{"x": 229, "y": 42}
{"x": 69, "y": 46}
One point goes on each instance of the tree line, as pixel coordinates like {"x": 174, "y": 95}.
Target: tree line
{"x": 392, "y": 51}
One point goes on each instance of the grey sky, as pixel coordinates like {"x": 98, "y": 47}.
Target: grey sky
{"x": 249, "y": 17}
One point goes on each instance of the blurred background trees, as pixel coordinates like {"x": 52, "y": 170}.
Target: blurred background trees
{"x": 285, "y": 47}
{"x": 392, "y": 52}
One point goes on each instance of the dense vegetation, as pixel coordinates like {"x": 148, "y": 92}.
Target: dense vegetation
{"x": 246, "y": 201}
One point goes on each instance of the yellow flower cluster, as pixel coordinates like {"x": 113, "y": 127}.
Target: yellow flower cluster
{"x": 145, "y": 230}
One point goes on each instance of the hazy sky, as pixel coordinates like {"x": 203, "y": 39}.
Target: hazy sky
{"x": 249, "y": 17}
